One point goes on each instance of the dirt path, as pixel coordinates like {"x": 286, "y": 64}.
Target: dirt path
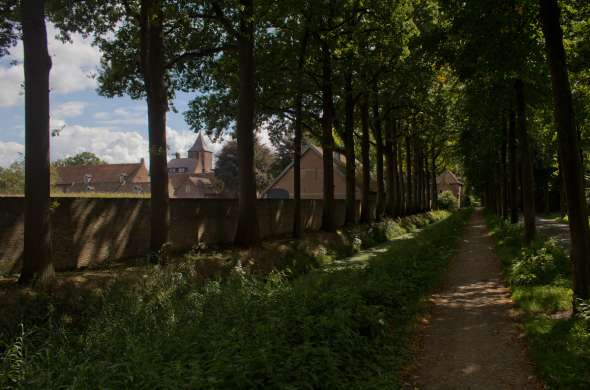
{"x": 471, "y": 340}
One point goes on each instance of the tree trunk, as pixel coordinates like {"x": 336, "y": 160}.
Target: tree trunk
{"x": 433, "y": 182}
{"x": 377, "y": 133}
{"x": 528, "y": 180}
{"x": 391, "y": 168}
{"x": 562, "y": 194}
{"x": 402, "y": 191}
{"x": 513, "y": 167}
{"x": 426, "y": 189}
{"x": 504, "y": 179}
{"x": 569, "y": 147}
{"x": 152, "y": 54}
{"x": 366, "y": 215}
{"x": 409, "y": 182}
{"x": 297, "y": 167}
{"x": 328, "y": 223}
{"x": 247, "y": 232}
{"x": 350, "y": 155}
{"x": 37, "y": 265}
{"x": 297, "y": 142}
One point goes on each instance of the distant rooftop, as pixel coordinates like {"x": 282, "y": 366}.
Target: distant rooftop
{"x": 201, "y": 145}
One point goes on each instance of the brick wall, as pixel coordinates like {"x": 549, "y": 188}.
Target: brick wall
{"x": 88, "y": 231}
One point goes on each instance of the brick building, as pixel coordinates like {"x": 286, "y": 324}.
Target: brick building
{"x": 312, "y": 177}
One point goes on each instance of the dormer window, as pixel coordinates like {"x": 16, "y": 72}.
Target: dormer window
{"x": 123, "y": 179}
{"x": 87, "y": 178}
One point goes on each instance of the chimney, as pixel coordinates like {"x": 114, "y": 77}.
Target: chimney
{"x": 177, "y": 155}
{"x": 142, "y": 161}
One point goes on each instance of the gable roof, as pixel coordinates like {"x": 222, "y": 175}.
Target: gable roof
{"x": 448, "y": 177}
{"x": 200, "y": 145}
{"x": 103, "y": 173}
{"x": 339, "y": 167}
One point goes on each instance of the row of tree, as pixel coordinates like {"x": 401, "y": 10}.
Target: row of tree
{"x": 509, "y": 56}
{"x": 355, "y": 76}
{"x": 396, "y": 86}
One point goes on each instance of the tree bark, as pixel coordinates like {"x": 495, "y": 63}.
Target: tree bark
{"x": 433, "y": 182}
{"x": 569, "y": 147}
{"x": 377, "y": 133}
{"x": 528, "y": 180}
{"x": 513, "y": 167}
{"x": 247, "y": 232}
{"x": 297, "y": 142}
{"x": 328, "y": 223}
{"x": 562, "y": 193}
{"x": 504, "y": 174}
{"x": 153, "y": 65}
{"x": 366, "y": 215}
{"x": 409, "y": 182}
{"x": 426, "y": 189}
{"x": 350, "y": 155}
{"x": 297, "y": 167}
{"x": 37, "y": 263}
{"x": 402, "y": 190}
{"x": 390, "y": 168}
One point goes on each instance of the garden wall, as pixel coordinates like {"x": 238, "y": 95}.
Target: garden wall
{"x": 90, "y": 231}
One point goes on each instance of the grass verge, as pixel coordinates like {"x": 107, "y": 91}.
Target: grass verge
{"x": 329, "y": 328}
{"x": 539, "y": 278}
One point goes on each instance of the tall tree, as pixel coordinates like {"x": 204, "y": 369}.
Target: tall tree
{"x": 349, "y": 149}
{"x": 366, "y": 214}
{"x": 37, "y": 265}
{"x": 247, "y": 232}
{"x": 528, "y": 183}
{"x": 151, "y": 22}
{"x": 569, "y": 148}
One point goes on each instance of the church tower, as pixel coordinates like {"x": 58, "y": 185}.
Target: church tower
{"x": 203, "y": 153}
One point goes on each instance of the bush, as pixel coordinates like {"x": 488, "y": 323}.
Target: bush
{"x": 447, "y": 201}
{"x": 541, "y": 286}
{"x": 540, "y": 264}
{"x": 342, "y": 328}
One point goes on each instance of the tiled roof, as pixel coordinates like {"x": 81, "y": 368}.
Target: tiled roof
{"x": 448, "y": 177}
{"x": 189, "y": 163}
{"x": 105, "y": 173}
{"x": 200, "y": 145}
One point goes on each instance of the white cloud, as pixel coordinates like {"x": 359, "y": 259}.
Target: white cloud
{"x": 263, "y": 136}
{"x": 11, "y": 79}
{"x": 74, "y": 65}
{"x": 9, "y": 152}
{"x": 134, "y": 116}
{"x": 111, "y": 145}
{"x": 179, "y": 141}
{"x": 69, "y": 109}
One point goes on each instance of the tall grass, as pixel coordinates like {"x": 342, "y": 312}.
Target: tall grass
{"x": 331, "y": 328}
{"x": 539, "y": 278}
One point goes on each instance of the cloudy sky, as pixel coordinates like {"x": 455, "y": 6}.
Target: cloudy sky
{"x": 114, "y": 129}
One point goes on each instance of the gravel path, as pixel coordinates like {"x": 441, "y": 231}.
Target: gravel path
{"x": 470, "y": 339}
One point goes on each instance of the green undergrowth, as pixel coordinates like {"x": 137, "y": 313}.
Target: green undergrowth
{"x": 540, "y": 280}
{"x": 314, "y": 250}
{"x": 328, "y": 328}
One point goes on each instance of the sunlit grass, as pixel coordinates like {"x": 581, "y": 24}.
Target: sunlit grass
{"x": 559, "y": 342}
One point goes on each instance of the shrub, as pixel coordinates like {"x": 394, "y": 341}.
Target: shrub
{"x": 540, "y": 264}
{"x": 447, "y": 201}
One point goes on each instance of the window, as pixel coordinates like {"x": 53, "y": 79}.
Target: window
{"x": 87, "y": 178}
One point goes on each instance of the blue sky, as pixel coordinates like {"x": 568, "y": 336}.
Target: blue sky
{"x": 115, "y": 129}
